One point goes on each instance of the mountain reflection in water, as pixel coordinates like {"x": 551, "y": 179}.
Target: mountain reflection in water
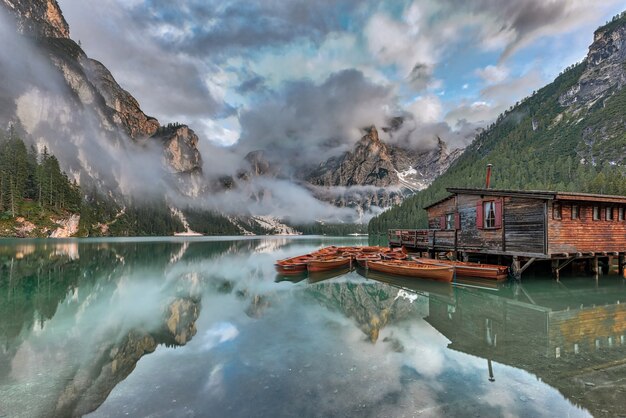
{"x": 197, "y": 327}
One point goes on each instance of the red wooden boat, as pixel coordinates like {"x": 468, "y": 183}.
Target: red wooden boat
{"x": 413, "y": 269}
{"x": 484, "y": 271}
{"x": 330, "y": 263}
{"x": 394, "y": 255}
{"x": 372, "y": 249}
{"x": 327, "y": 251}
{"x": 293, "y": 265}
{"x": 363, "y": 258}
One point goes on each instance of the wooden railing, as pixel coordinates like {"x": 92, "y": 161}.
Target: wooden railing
{"x": 422, "y": 238}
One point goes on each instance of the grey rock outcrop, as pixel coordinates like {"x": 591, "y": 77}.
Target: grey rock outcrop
{"x": 388, "y": 172}
{"x": 39, "y": 18}
{"x": 605, "y": 67}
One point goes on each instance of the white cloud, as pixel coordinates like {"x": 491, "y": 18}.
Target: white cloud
{"x": 493, "y": 74}
{"x": 426, "y": 109}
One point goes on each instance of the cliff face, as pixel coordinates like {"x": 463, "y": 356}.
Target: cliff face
{"x": 368, "y": 164}
{"x": 77, "y": 88}
{"x": 181, "y": 152}
{"x": 605, "y": 70}
{"x": 39, "y": 18}
{"x": 392, "y": 172}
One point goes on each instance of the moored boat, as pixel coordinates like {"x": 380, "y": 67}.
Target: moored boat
{"x": 330, "y": 263}
{"x": 467, "y": 269}
{"x": 394, "y": 254}
{"x": 363, "y": 258}
{"x": 293, "y": 265}
{"x": 413, "y": 269}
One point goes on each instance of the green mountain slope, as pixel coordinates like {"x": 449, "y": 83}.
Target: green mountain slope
{"x": 568, "y": 136}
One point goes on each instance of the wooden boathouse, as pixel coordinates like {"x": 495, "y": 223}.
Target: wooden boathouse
{"x": 523, "y": 227}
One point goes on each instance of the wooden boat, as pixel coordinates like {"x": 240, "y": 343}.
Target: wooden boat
{"x": 348, "y": 249}
{"x": 394, "y": 255}
{"x": 483, "y": 271}
{"x": 326, "y": 251}
{"x": 373, "y": 249}
{"x": 329, "y": 263}
{"x": 413, "y": 269}
{"x": 363, "y": 258}
{"x": 293, "y": 265}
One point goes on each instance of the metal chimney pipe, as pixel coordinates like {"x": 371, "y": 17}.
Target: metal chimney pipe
{"x": 488, "y": 180}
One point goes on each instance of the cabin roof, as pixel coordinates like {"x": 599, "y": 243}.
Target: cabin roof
{"x": 533, "y": 194}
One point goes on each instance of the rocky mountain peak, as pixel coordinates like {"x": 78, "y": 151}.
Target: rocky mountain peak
{"x": 608, "y": 43}
{"x": 605, "y": 66}
{"x": 39, "y": 18}
{"x": 372, "y": 134}
{"x": 369, "y": 163}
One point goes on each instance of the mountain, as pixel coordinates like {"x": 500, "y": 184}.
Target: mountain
{"x": 54, "y": 98}
{"x": 373, "y": 174}
{"x": 570, "y": 135}
{"x": 57, "y": 89}
{"x": 375, "y": 163}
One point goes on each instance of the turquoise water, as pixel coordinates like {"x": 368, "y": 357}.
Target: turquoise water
{"x": 204, "y": 327}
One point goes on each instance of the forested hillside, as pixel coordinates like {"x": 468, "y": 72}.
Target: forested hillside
{"x": 32, "y": 184}
{"x": 545, "y": 142}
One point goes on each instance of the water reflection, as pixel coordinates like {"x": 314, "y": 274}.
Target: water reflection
{"x": 200, "y": 327}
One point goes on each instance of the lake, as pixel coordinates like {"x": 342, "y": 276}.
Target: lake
{"x": 203, "y": 327}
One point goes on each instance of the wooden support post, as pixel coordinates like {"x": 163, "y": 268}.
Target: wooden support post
{"x": 620, "y": 263}
{"x": 515, "y": 268}
{"x": 595, "y": 268}
{"x": 560, "y": 266}
{"x": 555, "y": 269}
{"x": 526, "y": 265}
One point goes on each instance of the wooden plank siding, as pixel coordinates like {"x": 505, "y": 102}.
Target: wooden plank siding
{"x": 585, "y": 234}
{"x": 522, "y": 229}
{"x": 469, "y": 236}
{"x": 524, "y": 225}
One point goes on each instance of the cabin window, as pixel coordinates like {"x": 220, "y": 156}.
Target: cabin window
{"x": 450, "y": 221}
{"x": 575, "y": 212}
{"x": 609, "y": 214}
{"x": 556, "y": 211}
{"x": 620, "y": 214}
{"x": 596, "y": 213}
{"x": 490, "y": 214}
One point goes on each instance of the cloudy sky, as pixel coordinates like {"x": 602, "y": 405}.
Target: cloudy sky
{"x": 263, "y": 73}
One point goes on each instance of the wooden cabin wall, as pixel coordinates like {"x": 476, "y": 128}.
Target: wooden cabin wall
{"x": 436, "y": 212}
{"x": 569, "y": 235}
{"x": 469, "y": 236}
{"x": 524, "y": 225}
{"x": 445, "y": 238}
